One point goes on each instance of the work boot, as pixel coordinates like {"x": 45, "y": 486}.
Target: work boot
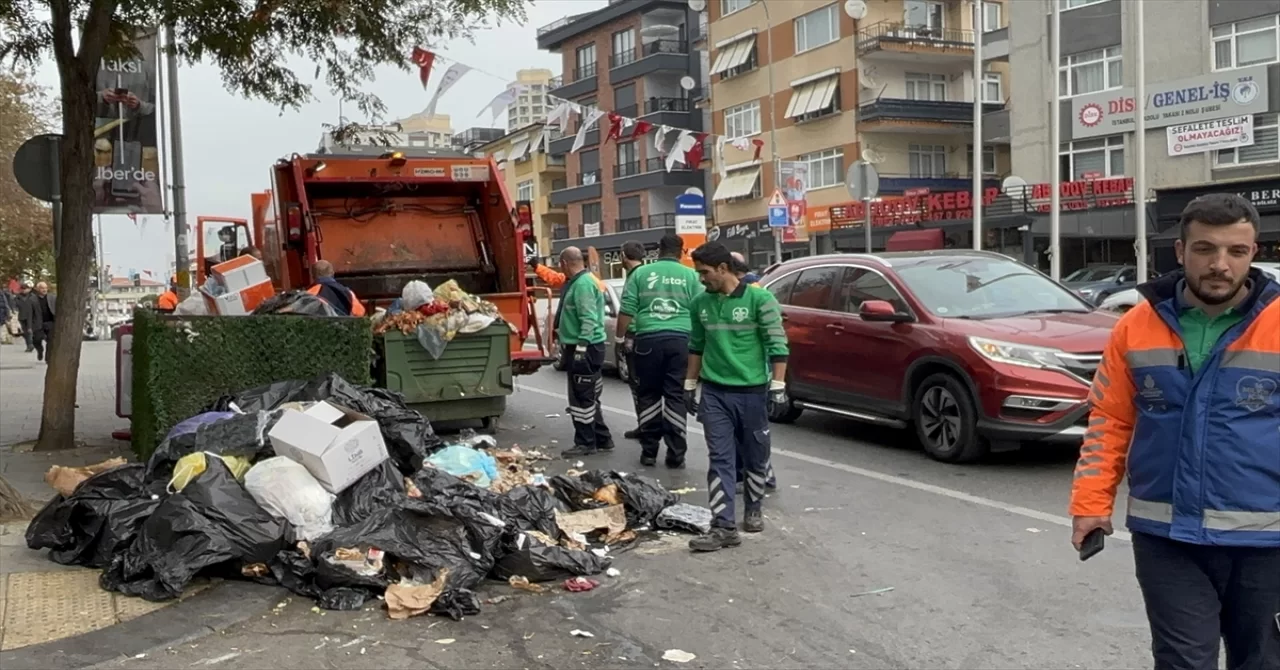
{"x": 717, "y": 539}
{"x": 753, "y": 521}
{"x": 633, "y": 434}
{"x": 607, "y": 446}
{"x": 675, "y": 465}
{"x": 578, "y": 450}
{"x": 648, "y": 461}
{"x": 738, "y": 487}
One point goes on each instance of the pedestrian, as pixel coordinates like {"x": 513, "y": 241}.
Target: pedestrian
{"x": 581, "y": 332}
{"x": 43, "y": 311}
{"x": 744, "y": 273}
{"x": 656, "y": 305}
{"x": 1185, "y": 402}
{"x": 342, "y": 299}
{"x": 25, "y": 306}
{"x": 736, "y": 331}
{"x": 632, "y": 258}
{"x": 743, "y": 270}
{"x": 6, "y": 310}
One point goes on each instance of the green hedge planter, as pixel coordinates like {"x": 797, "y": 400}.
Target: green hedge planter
{"x": 183, "y": 364}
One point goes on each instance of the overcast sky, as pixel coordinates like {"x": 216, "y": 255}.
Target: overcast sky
{"x": 229, "y": 143}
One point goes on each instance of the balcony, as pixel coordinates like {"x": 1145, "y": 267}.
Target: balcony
{"x": 894, "y": 41}
{"x": 897, "y": 115}
{"x": 552, "y": 206}
{"x": 630, "y": 224}
{"x": 702, "y": 33}
{"x": 894, "y": 184}
{"x": 563, "y": 144}
{"x": 995, "y": 45}
{"x": 655, "y": 56}
{"x": 584, "y": 81}
{"x": 560, "y": 231}
{"x": 672, "y": 112}
{"x": 587, "y": 188}
{"x": 662, "y": 220}
{"x": 652, "y": 173}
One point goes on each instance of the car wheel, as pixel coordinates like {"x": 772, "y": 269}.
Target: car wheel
{"x": 620, "y": 364}
{"x": 946, "y": 420}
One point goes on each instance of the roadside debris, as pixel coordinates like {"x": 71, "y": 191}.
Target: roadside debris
{"x": 580, "y": 633}
{"x": 523, "y": 584}
{"x": 65, "y": 480}
{"x": 613, "y": 572}
{"x": 407, "y": 598}
{"x": 678, "y": 656}
{"x": 872, "y": 592}
{"x": 580, "y": 584}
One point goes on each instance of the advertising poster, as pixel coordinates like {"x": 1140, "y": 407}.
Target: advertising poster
{"x": 126, "y": 176}
{"x": 1197, "y": 138}
{"x": 795, "y": 186}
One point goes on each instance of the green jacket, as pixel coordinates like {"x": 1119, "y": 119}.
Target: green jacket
{"x": 657, "y": 296}
{"x": 582, "y": 312}
{"x": 738, "y": 336}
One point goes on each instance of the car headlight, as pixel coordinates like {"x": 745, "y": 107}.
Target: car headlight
{"x": 1017, "y": 354}
{"x": 1086, "y": 292}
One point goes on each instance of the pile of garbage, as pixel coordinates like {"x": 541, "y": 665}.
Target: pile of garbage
{"x": 342, "y": 494}
{"x": 435, "y": 317}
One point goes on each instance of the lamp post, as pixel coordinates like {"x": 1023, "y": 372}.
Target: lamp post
{"x": 1140, "y": 148}
{"x": 1055, "y": 148}
{"x": 773, "y": 127}
{"x": 978, "y": 84}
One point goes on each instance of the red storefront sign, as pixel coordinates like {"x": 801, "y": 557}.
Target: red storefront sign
{"x": 951, "y": 205}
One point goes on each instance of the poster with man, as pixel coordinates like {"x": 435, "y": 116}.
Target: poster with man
{"x": 126, "y": 177}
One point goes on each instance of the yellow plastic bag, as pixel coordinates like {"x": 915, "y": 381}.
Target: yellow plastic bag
{"x": 192, "y": 465}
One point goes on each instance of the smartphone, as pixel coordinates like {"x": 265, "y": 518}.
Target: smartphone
{"x": 1092, "y": 544}
{"x": 121, "y": 92}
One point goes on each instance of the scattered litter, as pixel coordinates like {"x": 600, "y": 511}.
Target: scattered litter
{"x": 522, "y": 583}
{"x": 1034, "y": 530}
{"x": 529, "y": 636}
{"x": 447, "y": 640}
{"x": 686, "y": 517}
{"x": 678, "y": 656}
{"x": 873, "y": 592}
{"x": 685, "y": 491}
{"x": 497, "y": 600}
{"x": 613, "y": 572}
{"x": 612, "y": 519}
{"x": 579, "y": 464}
{"x": 795, "y": 486}
{"x": 65, "y": 480}
{"x": 580, "y": 584}
{"x": 580, "y": 633}
{"x": 552, "y": 416}
{"x": 408, "y": 598}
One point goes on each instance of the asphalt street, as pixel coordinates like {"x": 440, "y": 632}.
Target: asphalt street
{"x": 874, "y": 556}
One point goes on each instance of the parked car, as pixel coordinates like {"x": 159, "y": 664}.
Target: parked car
{"x": 1097, "y": 282}
{"x": 972, "y": 349}
{"x": 1125, "y": 300}
{"x": 614, "y": 361}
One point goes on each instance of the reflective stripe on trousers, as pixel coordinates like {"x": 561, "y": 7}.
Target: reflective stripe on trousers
{"x": 1213, "y": 519}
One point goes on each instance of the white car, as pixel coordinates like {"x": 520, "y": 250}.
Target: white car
{"x": 1125, "y": 300}
{"x": 614, "y": 361}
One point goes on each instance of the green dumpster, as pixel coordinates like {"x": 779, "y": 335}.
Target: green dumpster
{"x": 470, "y": 380}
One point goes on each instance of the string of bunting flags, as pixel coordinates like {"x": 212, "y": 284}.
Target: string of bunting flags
{"x": 688, "y": 148}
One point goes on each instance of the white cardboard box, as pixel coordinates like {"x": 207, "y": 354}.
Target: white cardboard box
{"x": 336, "y": 445}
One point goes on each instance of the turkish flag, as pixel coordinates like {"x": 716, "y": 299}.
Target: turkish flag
{"x": 423, "y": 59}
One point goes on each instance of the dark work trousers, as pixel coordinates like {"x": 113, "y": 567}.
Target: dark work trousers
{"x": 735, "y": 426}
{"x": 660, "y": 362}
{"x": 26, "y": 337}
{"x": 632, "y": 384}
{"x": 40, "y": 337}
{"x": 585, "y": 384}
{"x": 1198, "y": 594}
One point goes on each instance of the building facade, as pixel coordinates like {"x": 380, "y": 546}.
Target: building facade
{"x": 531, "y": 175}
{"x": 530, "y": 105}
{"x": 636, "y": 58}
{"x": 429, "y": 131}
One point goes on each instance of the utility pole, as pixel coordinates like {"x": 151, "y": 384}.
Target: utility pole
{"x": 1140, "y": 148}
{"x": 773, "y": 128}
{"x": 979, "y": 83}
{"x": 1055, "y": 148}
{"x": 176, "y": 170}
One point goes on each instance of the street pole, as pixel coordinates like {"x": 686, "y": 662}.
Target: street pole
{"x": 1055, "y": 148}
{"x": 178, "y": 176}
{"x": 99, "y": 320}
{"x": 773, "y": 127}
{"x": 55, "y": 197}
{"x": 866, "y": 225}
{"x": 1140, "y": 147}
{"x": 979, "y": 83}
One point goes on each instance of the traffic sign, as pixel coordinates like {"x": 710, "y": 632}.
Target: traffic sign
{"x": 777, "y": 200}
{"x": 862, "y": 180}
{"x": 778, "y": 216}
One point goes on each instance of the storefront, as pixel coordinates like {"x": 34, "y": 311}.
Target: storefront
{"x": 609, "y": 248}
{"x": 1263, "y": 193}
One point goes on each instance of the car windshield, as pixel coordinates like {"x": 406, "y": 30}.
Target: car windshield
{"x": 1092, "y": 274}
{"x": 985, "y": 288}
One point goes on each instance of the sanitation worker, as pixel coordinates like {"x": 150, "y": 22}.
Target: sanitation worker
{"x": 581, "y": 334}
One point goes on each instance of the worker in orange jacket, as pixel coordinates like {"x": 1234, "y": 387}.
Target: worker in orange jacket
{"x": 168, "y": 301}
{"x": 342, "y": 299}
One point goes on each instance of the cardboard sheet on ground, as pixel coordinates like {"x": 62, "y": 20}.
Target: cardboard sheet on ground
{"x": 406, "y": 599}
{"x": 612, "y": 519}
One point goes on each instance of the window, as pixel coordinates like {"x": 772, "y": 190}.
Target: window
{"x": 1245, "y": 43}
{"x": 586, "y": 69}
{"x": 628, "y": 161}
{"x": 781, "y": 289}
{"x": 624, "y": 47}
{"x": 731, "y": 6}
{"x": 826, "y": 168}
{"x": 1103, "y": 157}
{"x": 929, "y": 17}
{"x": 590, "y": 212}
{"x": 818, "y": 28}
{"x": 588, "y": 167}
{"x": 992, "y": 87}
{"x": 1090, "y": 72}
{"x": 860, "y": 285}
{"x": 989, "y": 160}
{"x": 813, "y": 288}
{"x": 524, "y": 190}
{"x": 743, "y": 120}
{"x": 1064, "y": 5}
{"x": 1265, "y": 148}
{"x": 991, "y": 16}
{"x": 926, "y": 86}
{"x": 927, "y": 160}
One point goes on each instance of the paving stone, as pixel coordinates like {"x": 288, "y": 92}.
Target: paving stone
{"x": 44, "y": 606}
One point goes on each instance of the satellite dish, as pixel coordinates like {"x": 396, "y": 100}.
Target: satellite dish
{"x": 1015, "y": 187}
{"x": 693, "y": 190}
{"x": 687, "y": 83}
{"x": 697, "y": 5}
{"x": 866, "y": 80}
{"x": 872, "y": 156}
{"x": 856, "y": 9}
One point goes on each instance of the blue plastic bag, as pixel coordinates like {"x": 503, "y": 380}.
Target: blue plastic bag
{"x": 473, "y": 465}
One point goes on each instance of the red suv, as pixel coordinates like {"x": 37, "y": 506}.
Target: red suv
{"x": 975, "y": 350}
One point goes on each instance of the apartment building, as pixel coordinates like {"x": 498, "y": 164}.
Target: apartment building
{"x": 530, "y": 105}
{"x": 1206, "y": 63}
{"x": 531, "y": 175}
{"x": 635, "y": 58}
{"x": 430, "y": 131}
{"x": 471, "y": 139}
{"x": 815, "y": 86}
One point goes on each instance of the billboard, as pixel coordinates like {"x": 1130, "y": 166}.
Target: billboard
{"x": 1182, "y": 101}
{"x": 126, "y": 168}
{"x": 795, "y": 188}
{"x": 1197, "y": 138}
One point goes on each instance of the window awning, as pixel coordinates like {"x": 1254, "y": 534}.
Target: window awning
{"x": 812, "y": 96}
{"x": 737, "y": 184}
{"x": 499, "y": 156}
{"x": 733, "y": 55}
{"x": 519, "y": 149}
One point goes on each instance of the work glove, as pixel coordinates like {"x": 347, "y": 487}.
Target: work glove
{"x": 532, "y": 262}
{"x": 778, "y": 392}
{"x": 691, "y": 396}
{"x": 626, "y": 344}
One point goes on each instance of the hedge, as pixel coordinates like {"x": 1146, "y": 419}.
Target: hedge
{"x": 182, "y": 364}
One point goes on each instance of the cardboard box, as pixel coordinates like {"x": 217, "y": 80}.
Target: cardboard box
{"x": 239, "y": 303}
{"x": 239, "y": 273}
{"x": 336, "y": 445}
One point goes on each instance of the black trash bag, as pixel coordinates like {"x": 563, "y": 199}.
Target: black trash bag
{"x": 300, "y": 303}
{"x": 211, "y": 522}
{"x": 575, "y": 493}
{"x": 408, "y": 434}
{"x": 445, "y": 495}
{"x": 643, "y": 498}
{"x": 343, "y": 599}
{"x": 456, "y": 604}
{"x": 538, "y": 562}
{"x": 686, "y": 517}
{"x": 530, "y": 508}
{"x": 380, "y": 488}
{"x": 97, "y": 522}
{"x": 237, "y": 435}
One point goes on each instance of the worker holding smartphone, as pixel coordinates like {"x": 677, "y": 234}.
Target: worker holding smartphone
{"x": 1186, "y": 401}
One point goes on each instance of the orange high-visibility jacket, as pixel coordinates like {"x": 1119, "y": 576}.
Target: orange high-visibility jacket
{"x": 357, "y": 309}
{"x": 168, "y": 301}
{"x": 557, "y": 279}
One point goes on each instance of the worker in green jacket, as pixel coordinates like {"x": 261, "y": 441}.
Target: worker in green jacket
{"x": 655, "y": 302}
{"x": 738, "y": 356}
{"x": 581, "y": 333}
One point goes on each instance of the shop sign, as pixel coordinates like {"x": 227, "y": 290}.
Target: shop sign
{"x": 1197, "y": 138}
{"x": 614, "y": 256}
{"x": 1179, "y": 102}
{"x": 733, "y": 231}
{"x": 1263, "y": 193}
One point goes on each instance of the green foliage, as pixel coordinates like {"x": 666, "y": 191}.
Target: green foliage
{"x": 183, "y": 364}
{"x": 26, "y": 224}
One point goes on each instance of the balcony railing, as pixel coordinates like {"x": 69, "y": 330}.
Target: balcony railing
{"x": 901, "y": 109}
{"x": 629, "y": 111}
{"x": 626, "y": 170}
{"x": 560, "y": 23}
{"x": 631, "y": 223}
{"x": 662, "y": 220}
{"x": 660, "y": 165}
{"x": 623, "y": 58}
{"x": 555, "y": 82}
{"x": 560, "y": 231}
{"x": 665, "y": 47}
{"x": 878, "y": 35}
{"x": 704, "y": 30}
{"x": 654, "y": 105}
{"x": 558, "y": 184}
{"x": 585, "y": 72}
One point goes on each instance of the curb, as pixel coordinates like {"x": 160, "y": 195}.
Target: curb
{"x": 223, "y": 605}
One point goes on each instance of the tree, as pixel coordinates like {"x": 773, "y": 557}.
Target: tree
{"x": 252, "y": 42}
{"x": 26, "y": 229}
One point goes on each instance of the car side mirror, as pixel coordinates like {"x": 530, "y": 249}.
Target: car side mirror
{"x": 881, "y": 310}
